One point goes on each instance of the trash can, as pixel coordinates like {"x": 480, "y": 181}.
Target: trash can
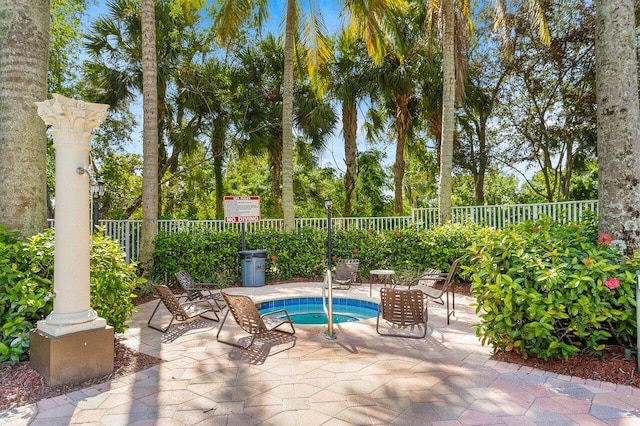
{"x": 253, "y": 267}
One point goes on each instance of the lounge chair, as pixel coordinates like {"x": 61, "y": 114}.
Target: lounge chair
{"x": 347, "y": 273}
{"x": 402, "y": 308}
{"x": 425, "y": 284}
{"x": 180, "y": 311}
{"x": 198, "y": 291}
{"x": 265, "y": 326}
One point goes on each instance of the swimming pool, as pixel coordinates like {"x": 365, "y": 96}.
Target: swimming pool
{"x": 308, "y": 310}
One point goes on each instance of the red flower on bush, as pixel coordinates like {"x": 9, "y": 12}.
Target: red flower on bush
{"x": 536, "y": 229}
{"x": 355, "y": 251}
{"x": 612, "y": 283}
{"x": 398, "y": 234}
{"x": 604, "y": 239}
{"x": 369, "y": 230}
{"x": 273, "y": 257}
{"x": 333, "y": 257}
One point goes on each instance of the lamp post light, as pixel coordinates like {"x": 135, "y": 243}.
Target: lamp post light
{"x": 97, "y": 191}
{"x": 328, "y": 203}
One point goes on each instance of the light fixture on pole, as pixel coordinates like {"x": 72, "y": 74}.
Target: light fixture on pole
{"x": 97, "y": 191}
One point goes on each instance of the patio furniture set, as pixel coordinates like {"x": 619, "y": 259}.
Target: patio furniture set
{"x": 403, "y": 305}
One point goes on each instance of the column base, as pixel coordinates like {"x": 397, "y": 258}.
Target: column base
{"x": 72, "y": 358}
{"x": 63, "y": 329}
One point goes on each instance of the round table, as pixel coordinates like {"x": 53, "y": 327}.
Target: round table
{"x": 383, "y": 274}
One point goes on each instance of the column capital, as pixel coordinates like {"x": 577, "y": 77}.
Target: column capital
{"x": 72, "y": 120}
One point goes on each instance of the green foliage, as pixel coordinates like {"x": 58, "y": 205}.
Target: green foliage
{"x": 207, "y": 256}
{"x": 213, "y": 256}
{"x": 26, "y": 274}
{"x": 24, "y": 296}
{"x": 545, "y": 289}
{"x": 112, "y": 282}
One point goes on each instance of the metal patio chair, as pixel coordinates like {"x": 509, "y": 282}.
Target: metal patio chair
{"x": 347, "y": 273}
{"x": 402, "y": 308}
{"x": 264, "y": 327}
{"x": 198, "y": 291}
{"x": 426, "y": 284}
{"x": 180, "y": 311}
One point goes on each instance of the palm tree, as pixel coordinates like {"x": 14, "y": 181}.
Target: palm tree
{"x": 258, "y": 96}
{"x": 455, "y": 25}
{"x": 24, "y": 43}
{"x": 150, "y": 185}
{"x": 366, "y": 18}
{"x": 618, "y": 122}
{"x": 400, "y": 78}
{"x": 124, "y": 62}
{"x": 350, "y": 82}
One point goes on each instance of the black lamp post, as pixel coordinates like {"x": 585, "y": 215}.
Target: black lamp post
{"x": 97, "y": 191}
{"x": 328, "y": 203}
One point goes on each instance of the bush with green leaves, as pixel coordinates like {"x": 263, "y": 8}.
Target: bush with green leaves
{"x": 552, "y": 290}
{"x": 213, "y": 256}
{"x": 24, "y": 296}
{"x": 26, "y": 275}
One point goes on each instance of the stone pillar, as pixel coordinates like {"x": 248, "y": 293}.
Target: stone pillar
{"x": 72, "y": 344}
{"x": 72, "y": 123}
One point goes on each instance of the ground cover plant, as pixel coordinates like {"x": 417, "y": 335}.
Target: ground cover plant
{"x": 552, "y": 290}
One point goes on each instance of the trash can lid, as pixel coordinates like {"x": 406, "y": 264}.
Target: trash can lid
{"x": 248, "y": 254}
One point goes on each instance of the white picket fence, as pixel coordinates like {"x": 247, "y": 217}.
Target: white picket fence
{"x": 127, "y": 232}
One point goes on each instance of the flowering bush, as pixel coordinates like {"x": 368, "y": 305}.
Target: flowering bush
{"x": 550, "y": 290}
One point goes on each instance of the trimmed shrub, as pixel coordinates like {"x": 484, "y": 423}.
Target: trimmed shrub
{"x": 213, "y": 256}
{"x": 552, "y": 290}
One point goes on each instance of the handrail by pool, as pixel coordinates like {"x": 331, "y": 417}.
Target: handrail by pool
{"x": 328, "y": 307}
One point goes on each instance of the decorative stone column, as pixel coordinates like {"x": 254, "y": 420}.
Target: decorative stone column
{"x": 72, "y": 343}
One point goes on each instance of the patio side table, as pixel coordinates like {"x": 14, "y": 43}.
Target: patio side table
{"x": 385, "y": 275}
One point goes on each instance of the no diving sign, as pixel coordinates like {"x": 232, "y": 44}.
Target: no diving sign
{"x": 242, "y": 209}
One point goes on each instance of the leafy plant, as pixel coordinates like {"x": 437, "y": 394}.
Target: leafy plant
{"x": 552, "y": 290}
{"x": 24, "y": 296}
{"x": 26, "y": 274}
{"x": 213, "y": 256}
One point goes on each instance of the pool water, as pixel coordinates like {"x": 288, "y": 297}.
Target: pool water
{"x": 309, "y": 310}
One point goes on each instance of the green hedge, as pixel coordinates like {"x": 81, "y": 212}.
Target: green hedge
{"x": 550, "y": 290}
{"x": 213, "y": 256}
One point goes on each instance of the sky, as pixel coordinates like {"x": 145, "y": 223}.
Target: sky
{"x": 333, "y": 155}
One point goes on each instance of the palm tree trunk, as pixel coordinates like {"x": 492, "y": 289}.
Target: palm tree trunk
{"x": 150, "y": 187}
{"x": 618, "y": 122}
{"x": 349, "y": 130}
{"x": 24, "y": 49}
{"x": 403, "y": 117}
{"x": 448, "y": 112}
{"x": 287, "y": 120}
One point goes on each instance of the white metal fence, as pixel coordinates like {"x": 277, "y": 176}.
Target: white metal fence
{"x": 127, "y": 232}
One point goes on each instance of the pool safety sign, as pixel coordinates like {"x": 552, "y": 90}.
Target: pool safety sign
{"x": 242, "y": 209}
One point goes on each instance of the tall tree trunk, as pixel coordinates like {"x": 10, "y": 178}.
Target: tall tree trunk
{"x": 448, "y": 112}
{"x": 150, "y": 187}
{"x": 483, "y": 161}
{"x": 287, "y": 120}
{"x": 217, "y": 146}
{"x": 24, "y": 49}
{"x": 276, "y": 172}
{"x": 349, "y": 130}
{"x": 617, "y": 118}
{"x": 403, "y": 118}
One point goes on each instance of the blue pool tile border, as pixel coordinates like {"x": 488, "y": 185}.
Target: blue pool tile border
{"x": 297, "y": 301}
